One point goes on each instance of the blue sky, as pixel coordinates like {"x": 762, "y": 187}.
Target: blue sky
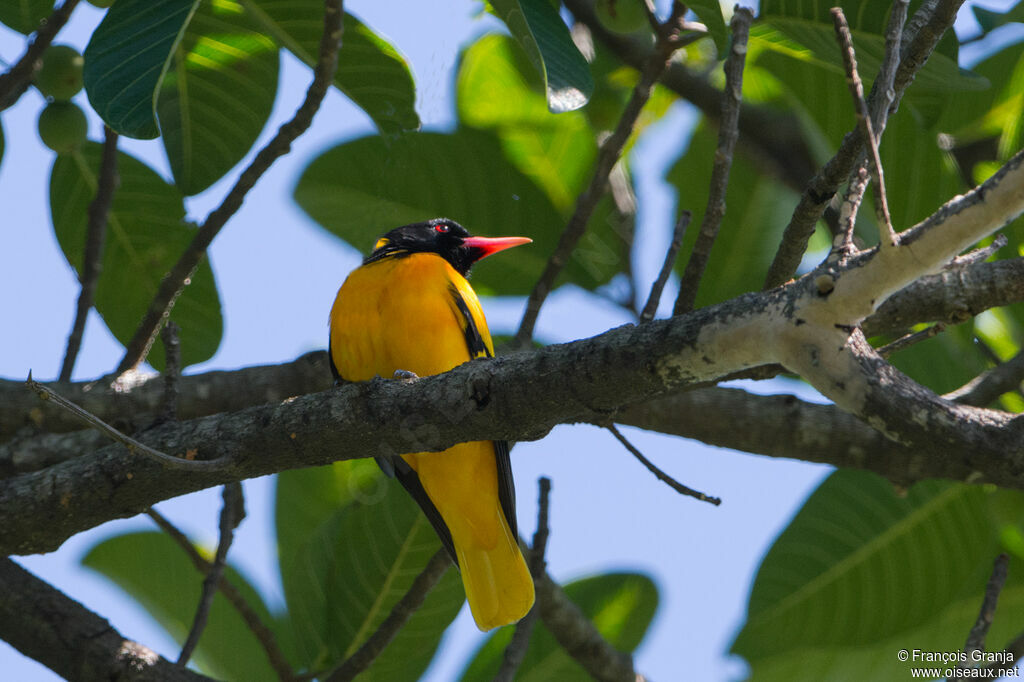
{"x": 277, "y": 273}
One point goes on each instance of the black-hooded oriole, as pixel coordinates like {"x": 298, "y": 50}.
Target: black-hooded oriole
{"x": 409, "y": 307}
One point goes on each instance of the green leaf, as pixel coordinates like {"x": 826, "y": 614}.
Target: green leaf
{"x": 861, "y": 568}
{"x": 146, "y": 234}
{"x": 155, "y": 572}
{"x": 24, "y": 16}
{"x": 370, "y": 71}
{"x": 361, "y": 189}
{"x": 217, "y": 94}
{"x": 545, "y": 37}
{"x": 990, "y": 20}
{"x": 621, "y": 606}
{"x": 351, "y": 542}
{"x": 711, "y": 14}
{"x": 757, "y": 209}
{"x": 804, "y": 30}
{"x": 123, "y": 72}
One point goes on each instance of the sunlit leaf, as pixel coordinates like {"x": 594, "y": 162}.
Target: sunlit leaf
{"x": 370, "y": 72}
{"x": 123, "y": 73}
{"x": 217, "y": 94}
{"x": 545, "y": 37}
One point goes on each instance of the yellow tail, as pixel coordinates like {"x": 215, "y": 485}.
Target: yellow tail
{"x": 497, "y": 582}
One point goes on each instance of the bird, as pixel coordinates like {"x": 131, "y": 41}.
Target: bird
{"x": 410, "y": 310}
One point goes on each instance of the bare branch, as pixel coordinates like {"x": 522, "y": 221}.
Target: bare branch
{"x": 659, "y": 474}
{"x": 400, "y": 614}
{"x": 678, "y": 232}
{"x": 986, "y": 388}
{"x": 231, "y": 514}
{"x": 517, "y": 646}
{"x": 92, "y": 260}
{"x": 131, "y": 444}
{"x": 728, "y": 132}
{"x": 16, "y": 79}
{"x": 46, "y": 625}
{"x": 978, "y": 255}
{"x": 579, "y": 637}
{"x": 976, "y": 638}
{"x": 608, "y": 155}
{"x": 910, "y": 339}
{"x": 920, "y": 37}
{"x": 867, "y": 132}
{"x": 174, "y": 281}
{"x": 260, "y": 630}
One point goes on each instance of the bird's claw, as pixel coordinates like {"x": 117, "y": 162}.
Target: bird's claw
{"x": 405, "y": 374}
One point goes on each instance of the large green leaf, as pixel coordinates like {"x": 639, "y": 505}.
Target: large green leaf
{"x": 363, "y": 188}
{"x": 127, "y": 57}
{"x": 155, "y": 572}
{"x": 217, "y": 94}
{"x": 350, "y": 544}
{"x": 24, "y": 16}
{"x": 370, "y": 71}
{"x": 146, "y": 234}
{"x": 757, "y": 209}
{"x": 804, "y": 30}
{"x": 621, "y": 606}
{"x": 861, "y": 567}
{"x": 545, "y": 37}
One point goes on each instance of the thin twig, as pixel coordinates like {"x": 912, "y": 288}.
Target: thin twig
{"x": 516, "y": 649}
{"x": 400, "y": 613}
{"x": 728, "y": 133}
{"x": 654, "y": 298}
{"x": 16, "y": 79}
{"x": 580, "y": 638}
{"x": 92, "y": 260}
{"x": 661, "y": 475}
{"x": 845, "y": 246}
{"x": 608, "y": 155}
{"x": 172, "y": 370}
{"x": 917, "y": 42}
{"x": 231, "y": 514}
{"x": 173, "y": 282}
{"x": 986, "y": 388}
{"x": 977, "y": 255}
{"x": 976, "y": 638}
{"x": 259, "y": 629}
{"x": 867, "y": 131}
{"x": 909, "y": 340}
{"x": 131, "y": 444}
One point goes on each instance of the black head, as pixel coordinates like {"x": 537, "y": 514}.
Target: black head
{"x": 444, "y": 237}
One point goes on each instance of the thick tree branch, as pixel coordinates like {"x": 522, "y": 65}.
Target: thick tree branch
{"x": 175, "y": 281}
{"x": 46, "y": 625}
{"x": 807, "y": 327}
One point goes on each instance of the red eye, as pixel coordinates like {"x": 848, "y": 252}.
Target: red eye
{"x": 441, "y": 227}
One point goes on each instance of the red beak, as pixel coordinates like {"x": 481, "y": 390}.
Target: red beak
{"x": 491, "y": 245}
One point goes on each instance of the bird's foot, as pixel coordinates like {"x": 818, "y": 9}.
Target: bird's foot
{"x": 405, "y": 374}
